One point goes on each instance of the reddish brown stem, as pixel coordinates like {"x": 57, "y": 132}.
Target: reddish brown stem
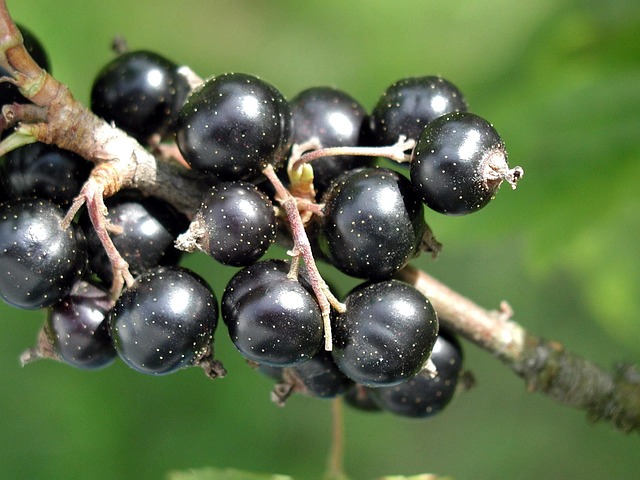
{"x": 302, "y": 247}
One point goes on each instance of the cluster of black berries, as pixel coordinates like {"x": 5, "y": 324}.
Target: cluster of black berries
{"x": 386, "y": 350}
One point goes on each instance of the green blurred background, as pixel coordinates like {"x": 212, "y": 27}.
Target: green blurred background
{"x": 560, "y": 80}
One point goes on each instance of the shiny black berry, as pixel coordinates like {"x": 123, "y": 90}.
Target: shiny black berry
{"x": 236, "y": 223}
{"x": 78, "y": 329}
{"x": 44, "y": 171}
{"x": 334, "y": 119}
{"x": 40, "y": 260}
{"x": 141, "y": 92}
{"x": 408, "y": 105}
{"x": 385, "y": 335}
{"x": 272, "y": 319}
{"x": 318, "y": 377}
{"x": 425, "y": 395}
{"x": 149, "y": 227}
{"x": 373, "y": 223}
{"x": 458, "y": 164}
{"x": 9, "y": 93}
{"x": 165, "y": 321}
{"x": 233, "y": 126}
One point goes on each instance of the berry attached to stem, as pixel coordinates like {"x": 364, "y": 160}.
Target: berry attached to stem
{"x": 302, "y": 248}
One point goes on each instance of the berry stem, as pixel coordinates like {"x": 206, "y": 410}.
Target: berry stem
{"x": 545, "y": 365}
{"x": 302, "y": 247}
{"x": 395, "y": 152}
{"x": 335, "y": 464}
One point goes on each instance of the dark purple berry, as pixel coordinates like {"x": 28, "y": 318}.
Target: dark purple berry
{"x": 334, "y": 119}
{"x": 385, "y": 335}
{"x": 425, "y": 395}
{"x": 141, "y": 92}
{"x": 78, "y": 329}
{"x": 233, "y": 126}
{"x": 458, "y": 164}
{"x": 408, "y": 105}
{"x": 149, "y": 228}
{"x": 373, "y": 223}
{"x": 44, "y": 171}
{"x": 272, "y": 319}
{"x": 360, "y": 398}
{"x": 40, "y": 260}
{"x": 236, "y": 223}
{"x": 165, "y": 321}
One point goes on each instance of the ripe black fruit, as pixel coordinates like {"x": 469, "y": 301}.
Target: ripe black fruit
{"x": 233, "y": 126}
{"x": 272, "y": 319}
{"x": 141, "y": 92}
{"x": 78, "y": 329}
{"x": 236, "y": 223}
{"x": 149, "y": 226}
{"x": 334, "y": 119}
{"x": 44, "y": 171}
{"x": 407, "y": 106}
{"x": 424, "y": 395}
{"x": 40, "y": 260}
{"x": 385, "y": 335}
{"x": 165, "y": 321}
{"x": 458, "y": 164}
{"x": 373, "y": 223}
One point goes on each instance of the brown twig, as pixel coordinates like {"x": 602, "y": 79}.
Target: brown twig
{"x": 546, "y": 366}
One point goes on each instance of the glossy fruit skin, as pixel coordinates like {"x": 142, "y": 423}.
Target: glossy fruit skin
{"x": 335, "y": 119}
{"x": 165, "y": 321}
{"x": 238, "y": 223}
{"x": 248, "y": 279}
{"x": 385, "y": 334}
{"x": 423, "y": 396}
{"x": 373, "y": 223}
{"x": 408, "y": 105}
{"x": 319, "y": 377}
{"x": 449, "y": 162}
{"x": 359, "y": 397}
{"x": 9, "y": 93}
{"x": 44, "y": 171}
{"x": 78, "y": 329}
{"x": 39, "y": 259}
{"x": 233, "y": 126}
{"x": 141, "y": 92}
{"x": 149, "y": 229}
{"x": 272, "y": 319}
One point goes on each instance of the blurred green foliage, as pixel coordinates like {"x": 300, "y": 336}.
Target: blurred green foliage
{"x": 559, "y": 79}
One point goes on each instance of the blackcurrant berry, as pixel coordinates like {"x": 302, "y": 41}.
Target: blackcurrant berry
{"x": 141, "y": 92}
{"x": 9, "y": 93}
{"x": 319, "y": 377}
{"x": 248, "y": 279}
{"x": 40, "y": 260}
{"x": 272, "y": 319}
{"x": 334, "y": 119}
{"x": 373, "y": 223}
{"x": 236, "y": 223}
{"x": 458, "y": 164}
{"x": 425, "y": 395}
{"x": 165, "y": 321}
{"x": 78, "y": 330}
{"x": 360, "y": 398}
{"x": 233, "y": 126}
{"x": 386, "y": 333}
{"x": 408, "y": 105}
{"x": 149, "y": 226}
{"x": 44, "y": 171}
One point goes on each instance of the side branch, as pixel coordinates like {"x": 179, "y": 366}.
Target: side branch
{"x": 545, "y": 366}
